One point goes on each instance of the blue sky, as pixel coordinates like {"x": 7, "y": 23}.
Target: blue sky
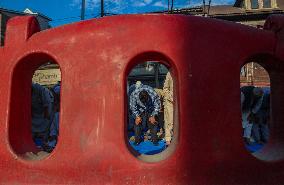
{"x": 68, "y": 11}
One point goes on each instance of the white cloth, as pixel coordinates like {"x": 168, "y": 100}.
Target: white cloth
{"x": 168, "y": 90}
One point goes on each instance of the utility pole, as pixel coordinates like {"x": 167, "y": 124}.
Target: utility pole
{"x": 156, "y": 70}
{"x": 204, "y": 7}
{"x": 209, "y": 5}
{"x": 83, "y": 9}
{"x": 168, "y": 6}
{"x": 102, "y": 8}
{"x": 172, "y": 7}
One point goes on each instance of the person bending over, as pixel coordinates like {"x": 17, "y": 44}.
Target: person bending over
{"x": 145, "y": 105}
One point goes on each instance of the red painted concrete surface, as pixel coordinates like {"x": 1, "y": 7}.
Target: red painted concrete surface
{"x": 95, "y": 57}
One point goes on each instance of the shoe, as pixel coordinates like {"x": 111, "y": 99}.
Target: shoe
{"x": 162, "y": 136}
{"x": 136, "y": 143}
{"x": 47, "y": 148}
{"x": 168, "y": 143}
{"x": 132, "y": 138}
{"x": 248, "y": 141}
{"x": 146, "y": 138}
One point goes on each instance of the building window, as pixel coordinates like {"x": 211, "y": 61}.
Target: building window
{"x": 266, "y": 3}
{"x": 254, "y": 4}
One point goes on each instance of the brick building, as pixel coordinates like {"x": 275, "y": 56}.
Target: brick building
{"x": 247, "y": 12}
{"x": 251, "y": 13}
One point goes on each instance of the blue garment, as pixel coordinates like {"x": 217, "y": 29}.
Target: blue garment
{"x": 53, "y": 134}
{"x": 41, "y": 100}
{"x": 56, "y": 89}
{"x": 250, "y": 105}
{"x": 131, "y": 89}
{"x": 131, "y": 121}
{"x": 260, "y": 131}
{"x": 50, "y": 104}
{"x": 152, "y": 106}
{"x": 54, "y": 127}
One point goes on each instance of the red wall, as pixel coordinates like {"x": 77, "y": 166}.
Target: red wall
{"x": 95, "y": 58}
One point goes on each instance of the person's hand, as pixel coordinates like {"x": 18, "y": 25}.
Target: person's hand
{"x": 152, "y": 119}
{"x": 138, "y": 120}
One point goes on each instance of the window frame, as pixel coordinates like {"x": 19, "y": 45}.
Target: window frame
{"x": 254, "y": 4}
{"x": 267, "y": 2}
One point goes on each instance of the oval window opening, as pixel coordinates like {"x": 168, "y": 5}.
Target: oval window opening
{"x": 45, "y": 106}
{"x": 34, "y": 111}
{"x": 255, "y": 106}
{"x": 151, "y": 126}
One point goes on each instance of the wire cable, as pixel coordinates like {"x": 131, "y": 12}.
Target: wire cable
{"x": 73, "y": 17}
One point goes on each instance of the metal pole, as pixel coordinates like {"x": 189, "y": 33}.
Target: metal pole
{"x": 156, "y": 69}
{"x": 204, "y": 7}
{"x": 172, "y": 7}
{"x": 209, "y": 5}
{"x": 102, "y": 8}
{"x": 168, "y": 6}
{"x": 83, "y": 10}
{"x": 252, "y": 74}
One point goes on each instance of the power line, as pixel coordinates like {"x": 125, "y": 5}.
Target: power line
{"x": 74, "y": 17}
{"x": 90, "y": 15}
{"x": 106, "y": 13}
{"x": 65, "y": 18}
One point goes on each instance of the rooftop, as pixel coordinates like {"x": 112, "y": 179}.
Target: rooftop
{"x": 25, "y": 12}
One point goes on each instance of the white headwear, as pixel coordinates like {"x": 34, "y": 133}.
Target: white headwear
{"x": 138, "y": 84}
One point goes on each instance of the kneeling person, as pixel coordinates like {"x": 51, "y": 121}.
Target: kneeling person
{"x": 145, "y": 105}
